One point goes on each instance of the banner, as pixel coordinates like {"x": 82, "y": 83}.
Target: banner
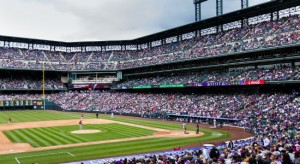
{"x": 90, "y": 86}
{"x": 213, "y": 83}
{"x": 171, "y": 86}
{"x": 142, "y": 87}
{"x": 203, "y": 84}
{"x": 255, "y": 82}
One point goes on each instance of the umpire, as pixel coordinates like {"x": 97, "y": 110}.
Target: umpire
{"x": 197, "y": 128}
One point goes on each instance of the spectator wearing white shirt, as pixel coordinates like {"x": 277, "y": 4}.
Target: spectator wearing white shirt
{"x": 266, "y": 141}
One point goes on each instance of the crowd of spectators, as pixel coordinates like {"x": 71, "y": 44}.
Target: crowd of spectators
{"x": 84, "y": 100}
{"x": 274, "y": 118}
{"x": 32, "y": 55}
{"x": 55, "y": 56}
{"x": 262, "y": 35}
{"x": 284, "y": 31}
{"x": 271, "y": 73}
{"x": 271, "y": 111}
{"x": 101, "y": 56}
{"x": 264, "y": 113}
{"x": 20, "y": 96}
{"x": 94, "y": 66}
{"x": 244, "y": 151}
{"x": 23, "y": 83}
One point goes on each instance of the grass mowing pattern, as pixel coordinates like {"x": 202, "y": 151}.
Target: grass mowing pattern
{"x": 111, "y": 149}
{"x": 35, "y": 115}
{"x": 105, "y": 150}
{"x": 51, "y": 136}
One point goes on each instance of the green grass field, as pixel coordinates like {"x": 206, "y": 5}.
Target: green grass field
{"x": 32, "y": 116}
{"x": 61, "y": 135}
{"x": 92, "y": 151}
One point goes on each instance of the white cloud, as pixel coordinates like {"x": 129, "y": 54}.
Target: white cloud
{"x": 78, "y": 20}
{"x": 35, "y": 20}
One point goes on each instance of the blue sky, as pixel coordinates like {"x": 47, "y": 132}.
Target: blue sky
{"x": 98, "y": 20}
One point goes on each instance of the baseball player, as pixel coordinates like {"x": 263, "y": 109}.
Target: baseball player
{"x": 80, "y": 124}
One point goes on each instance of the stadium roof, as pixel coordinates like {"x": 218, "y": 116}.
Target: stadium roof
{"x": 268, "y": 7}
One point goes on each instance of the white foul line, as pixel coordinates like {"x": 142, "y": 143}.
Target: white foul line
{"x": 17, "y": 158}
{"x": 71, "y": 154}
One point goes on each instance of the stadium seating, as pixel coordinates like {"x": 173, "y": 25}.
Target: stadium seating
{"x": 27, "y": 83}
{"x": 267, "y": 34}
{"x": 271, "y": 73}
{"x": 266, "y": 108}
{"x": 244, "y": 151}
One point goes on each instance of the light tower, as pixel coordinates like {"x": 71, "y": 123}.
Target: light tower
{"x": 219, "y": 7}
{"x": 198, "y": 9}
{"x": 244, "y": 4}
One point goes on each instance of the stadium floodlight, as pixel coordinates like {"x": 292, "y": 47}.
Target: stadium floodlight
{"x": 219, "y": 7}
{"x": 244, "y": 4}
{"x": 198, "y": 9}
{"x": 199, "y": 1}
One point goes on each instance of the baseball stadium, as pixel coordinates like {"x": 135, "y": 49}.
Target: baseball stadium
{"x": 220, "y": 90}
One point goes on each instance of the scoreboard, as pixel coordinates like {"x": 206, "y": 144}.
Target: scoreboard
{"x": 38, "y": 104}
{"x": 21, "y": 104}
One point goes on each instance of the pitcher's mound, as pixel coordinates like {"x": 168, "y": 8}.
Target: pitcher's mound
{"x": 85, "y": 131}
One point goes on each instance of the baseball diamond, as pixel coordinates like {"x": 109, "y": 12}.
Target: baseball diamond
{"x": 32, "y": 136}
